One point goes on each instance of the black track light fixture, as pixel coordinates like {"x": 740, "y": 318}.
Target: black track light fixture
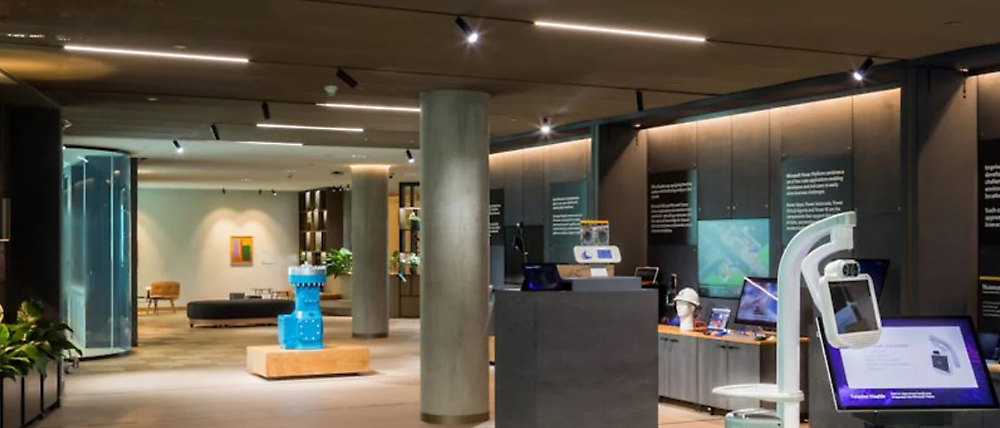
{"x": 274, "y": 193}
{"x": 178, "y": 148}
{"x": 859, "y": 74}
{"x": 215, "y": 132}
{"x": 223, "y": 190}
{"x": 260, "y": 192}
{"x": 639, "y": 106}
{"x": 409, "y": 156}
{"x": 546, "y": 127}
{"x": 471, "y": 35}
{"x": 346, "y": 78}
{"x": 266, "y": 110}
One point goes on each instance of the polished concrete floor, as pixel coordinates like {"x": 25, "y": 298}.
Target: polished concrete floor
{"x": 194, "y": 378}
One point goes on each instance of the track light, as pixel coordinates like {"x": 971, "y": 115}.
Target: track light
{"x": 409, "y": 156}
{"x": 638, "y": 101}
{"x": 546, "y": 127}
{"x": 223, "y": 190}
{"x": 178, "y": 147}
{"x": 859, "y": 74}
{"x": 215, "y": 131}
{"x": 266, "y": 110}
{"x": 346, "y": 78}
{"x": 273, "y": 193}
{"x": 471, "y": 35}
{"x": 260, "y": 192}
{"x": 171, "y": 55}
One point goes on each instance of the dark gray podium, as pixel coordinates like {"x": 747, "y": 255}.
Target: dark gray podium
{"x": 576, "y": 359}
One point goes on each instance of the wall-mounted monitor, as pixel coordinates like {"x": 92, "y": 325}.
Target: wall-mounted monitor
{"x": 758, "y": 302}
{"x": 918, "y": 363}
{"x": 730, "y": 250}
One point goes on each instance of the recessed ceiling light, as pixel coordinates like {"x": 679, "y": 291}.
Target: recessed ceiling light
{"x": 180, "y": 46}
{"x": 370, "y": 107}
{"x": 546, "y": 127}
{"x": 620, "y": 31}
{"x": 269, "y": 143}
{"x": 157, "y": 54}
{"x": 310, "y": 128}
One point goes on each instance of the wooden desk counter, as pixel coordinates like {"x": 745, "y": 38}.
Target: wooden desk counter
{"x": 732, "y": 337}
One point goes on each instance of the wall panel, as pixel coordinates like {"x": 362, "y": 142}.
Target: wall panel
{"x": 672, "y": 148}
{"x": 715, "y": 167}
{"x": 989, "y": 105}
{"x": 876, "y": 130}
{"x": 751, "y": 165}
{"x": 815, "y": 129}
{"x": 535, "y": 188}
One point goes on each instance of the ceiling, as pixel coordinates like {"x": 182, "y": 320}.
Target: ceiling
{"x": 396, "y": 49}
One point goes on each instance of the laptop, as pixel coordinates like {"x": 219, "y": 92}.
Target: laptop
{"x": 648, "y": 275}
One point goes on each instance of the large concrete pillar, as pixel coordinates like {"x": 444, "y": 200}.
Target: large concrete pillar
{"x": 454, "y": 185}
{"x": 370, "y": 245}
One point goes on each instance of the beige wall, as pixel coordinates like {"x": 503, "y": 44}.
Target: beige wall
{"x": 183, "y": 235}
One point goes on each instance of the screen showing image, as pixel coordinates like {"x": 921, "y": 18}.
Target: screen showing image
{"x": 918, "y": 363}
{"x": 647, "y": 274}
{"x": 853, "y": 306}
{"x": 878, "y": 269}
{"x": 730, "y": 250}
{"x": 759, "y": 302}
{"x": 541, "y": 277}
{"x": 989, "y": 345}
{"x": 720, "y": 316}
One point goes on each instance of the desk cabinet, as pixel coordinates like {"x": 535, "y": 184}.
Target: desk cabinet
{"x": 726, "y": 363}
{"x": 678, "y": 368}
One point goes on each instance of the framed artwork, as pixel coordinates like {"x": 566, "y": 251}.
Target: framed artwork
{"x": 241, "y": 250}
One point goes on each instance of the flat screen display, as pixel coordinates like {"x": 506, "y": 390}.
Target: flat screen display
{"x": 878, "y": 269}
{"x": 758, "y": 302}
{"x": 720, "y": 317}
{"x": 989, "y": 345}
{"x": 541, "y": 277}
{"x": 730, "y": 250}
{"x": 919, "y": 363}
{"x": 853, "y": 306}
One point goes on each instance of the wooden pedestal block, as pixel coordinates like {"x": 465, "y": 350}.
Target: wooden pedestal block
{"x": 272, "y": 362}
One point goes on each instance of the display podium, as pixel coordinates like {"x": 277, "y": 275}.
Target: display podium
{"x": 577, "y": 359}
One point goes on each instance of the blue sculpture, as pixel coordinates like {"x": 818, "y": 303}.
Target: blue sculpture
{"x": 303, "y": 329}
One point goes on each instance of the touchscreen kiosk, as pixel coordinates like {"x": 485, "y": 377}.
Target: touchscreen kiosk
{"x": 758, "y": 302}
{"x": 919, "y": 363}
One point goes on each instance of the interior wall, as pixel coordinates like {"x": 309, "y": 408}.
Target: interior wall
{"x": 183, "y": 235}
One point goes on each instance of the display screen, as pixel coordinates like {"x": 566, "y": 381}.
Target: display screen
{"x": 759, "y": 302}
{"x": 918, "y": 363}
{"x": 604, "y": 254}
{"x": 989, "y": 345}
{"x": 646, "y": 274}
{"x": 730, "y": 250}
{"x": 878, "y": 269}
{"x": 541, "y": 277}
{"x": 853, "y": 306}
{"x": 720, "y": 316}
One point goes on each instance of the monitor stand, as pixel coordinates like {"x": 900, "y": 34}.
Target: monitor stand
{"x": 905, "y": 419}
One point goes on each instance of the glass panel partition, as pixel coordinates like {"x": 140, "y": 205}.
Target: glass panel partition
{"x": 96, "y": 283}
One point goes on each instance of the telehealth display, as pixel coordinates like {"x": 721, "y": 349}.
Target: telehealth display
{"x": 918, "y": 363}
{"x": 853, "y": 307}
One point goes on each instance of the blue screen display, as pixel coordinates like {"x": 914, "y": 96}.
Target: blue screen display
{"x": 604, "y": 254}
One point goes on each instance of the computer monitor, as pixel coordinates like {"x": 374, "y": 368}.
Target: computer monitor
{"x": 758, "y": 302}
{"x": 878, "y": 269}
{"x": 541, "y": 277}
{"x": 989, "y": 345}
{"x": 918, "y": 363}
{"x": 647, "y": 274}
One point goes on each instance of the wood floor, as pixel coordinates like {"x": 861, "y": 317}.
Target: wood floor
{"x": 181, "y": 377}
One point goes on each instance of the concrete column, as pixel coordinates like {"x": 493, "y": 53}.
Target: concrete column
{"x": 370, "y": 245}
{"x": 454, "y": 361}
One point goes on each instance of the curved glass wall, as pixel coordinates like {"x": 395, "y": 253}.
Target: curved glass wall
{"x": 97, "y": 253}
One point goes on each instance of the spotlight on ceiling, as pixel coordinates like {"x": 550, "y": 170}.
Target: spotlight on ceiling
{"x": 157, "y": 54}
{"x": 546, "y": 127}
{"x": 273, "y": 193}
{"x": 409, "y": 156}
{"x": 638, "y": 101}
{"x": 177, "y": 146}
{"x": 346, "y": 78}
{"x": 266, "y": 110}
{"x": 471, "y": 35}
{"x": 223, "y": 190}
{"x": 215, "y": 131}
{"x": 619, "y": 31}
{"x": 859, "y": 74}
{"x": 260, "y": 192}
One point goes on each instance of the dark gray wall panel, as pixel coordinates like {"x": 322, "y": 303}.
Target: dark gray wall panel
{"x": 681, "y": 260}
{"x": 623, "y": 193}
{"x": 567, "y": 161}
{"x": 816, "y": 128}
{"x": 989, "y": 105}
{"x": 774, "y": 160}
{"x": 751, "y": 165}
{"x": 876, "y": 152}
{"x": 512, "y": 165}
{"x": 883, "y": 236}
{"x": 497, "y": 170}
{"x": 535, "y": 187}
{"x": 672, "y": 148}
{"x": 715, "y": 167}
{"x": 947, "y": 256}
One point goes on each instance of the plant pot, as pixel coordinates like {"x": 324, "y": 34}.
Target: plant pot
{"x": 339, "y": 285}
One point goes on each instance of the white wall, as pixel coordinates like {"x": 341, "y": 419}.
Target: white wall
{"x": 184, "y": 236}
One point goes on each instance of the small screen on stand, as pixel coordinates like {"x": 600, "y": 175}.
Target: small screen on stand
{"x": 758, "y": 302}
{"x": 919, "y": 363}
{"x": 604, "y": 254}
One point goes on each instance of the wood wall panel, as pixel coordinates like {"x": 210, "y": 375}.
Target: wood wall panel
{"x": 715, "y": 168}
{"x": 751, "y": 165}
{"x": 989, "y": 105}
{"x": 672, "y": 148}
{"x": 877, "y": 181}
{"x": 513, "y": 185}
{"x": 567, "y": 161}
{"x": 535, "y": 187}
{"x": 815, "y": 129}
{"x": 623, "y": 193}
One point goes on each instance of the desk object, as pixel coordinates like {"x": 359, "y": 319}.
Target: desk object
{"x": 576, "y": 359}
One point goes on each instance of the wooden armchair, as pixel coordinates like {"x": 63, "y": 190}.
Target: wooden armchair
{"x": 162, "y": 290}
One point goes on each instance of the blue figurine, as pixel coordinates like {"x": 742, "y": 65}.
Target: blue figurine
{"x": 303, "y": 329}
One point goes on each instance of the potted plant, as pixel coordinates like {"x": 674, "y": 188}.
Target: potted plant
{"x": 338, "y": 271}
{"x": 32, "y": 343}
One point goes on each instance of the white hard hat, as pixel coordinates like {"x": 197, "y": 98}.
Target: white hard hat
{"x": 688, "y": 295}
